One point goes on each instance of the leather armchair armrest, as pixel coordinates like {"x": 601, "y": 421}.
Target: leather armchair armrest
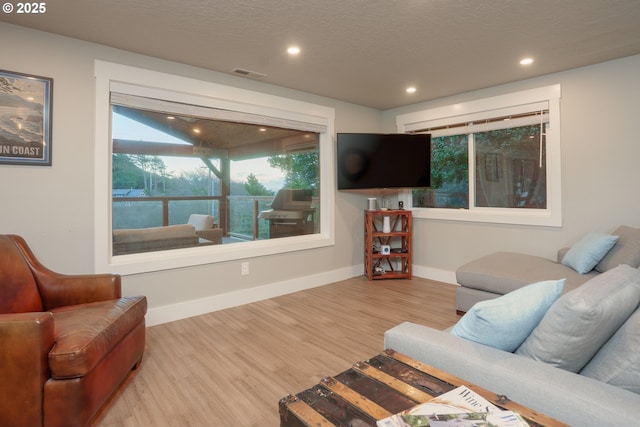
{"x": 27, "y": 339}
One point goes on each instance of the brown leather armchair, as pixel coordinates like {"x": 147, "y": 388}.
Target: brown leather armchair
{"x": 67, "y": 342}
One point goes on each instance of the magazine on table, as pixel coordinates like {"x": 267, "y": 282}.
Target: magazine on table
{"x": 460, "y": 407}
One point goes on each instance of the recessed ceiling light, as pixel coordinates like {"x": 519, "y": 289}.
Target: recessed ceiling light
{"x": 411, "y": 89}
{"x": 293, "y": 50}
{"x": 526, "y": 61}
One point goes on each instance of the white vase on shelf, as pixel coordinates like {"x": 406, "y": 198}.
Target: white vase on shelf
{"x": 386, "y": 224}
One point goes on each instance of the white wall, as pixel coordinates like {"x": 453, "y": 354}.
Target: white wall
{"x": 600, "y": 108}
{"x": 52, "y": 207}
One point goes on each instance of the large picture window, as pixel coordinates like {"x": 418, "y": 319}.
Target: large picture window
{"x": 183, "y": 180}
{"x": 493, "y": 160}
{"x": 197, "y": 179}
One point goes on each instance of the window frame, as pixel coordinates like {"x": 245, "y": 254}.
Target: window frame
{"x": 547, "y": 97}
{"x": 126, "y": 79}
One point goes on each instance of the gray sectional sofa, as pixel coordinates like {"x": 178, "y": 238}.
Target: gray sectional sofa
{"x": 502, "y": 272}
{"x": 578, "y": 361}
{"x": 574, "y": 399}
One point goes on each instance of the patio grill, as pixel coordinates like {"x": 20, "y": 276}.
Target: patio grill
{"x": 290, "y": 214}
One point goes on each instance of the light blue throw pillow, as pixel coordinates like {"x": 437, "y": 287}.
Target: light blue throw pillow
{"x": 587, "y": 253}
{"x": 505, "y": 322}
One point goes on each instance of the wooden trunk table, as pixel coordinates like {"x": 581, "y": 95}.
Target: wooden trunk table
{"x": 378, "y": 388}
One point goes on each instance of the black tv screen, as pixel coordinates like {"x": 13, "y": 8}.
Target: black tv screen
{"x": 371, "y": 160}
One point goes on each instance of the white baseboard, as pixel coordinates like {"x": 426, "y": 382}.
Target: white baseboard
{"x": 183, "y": 310}
{"x": 430, "y": 273}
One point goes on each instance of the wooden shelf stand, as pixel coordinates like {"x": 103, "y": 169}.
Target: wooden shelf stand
{"x": 396, "y": 264}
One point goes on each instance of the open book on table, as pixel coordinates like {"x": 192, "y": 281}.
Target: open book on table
{"x": 460, "y": 407}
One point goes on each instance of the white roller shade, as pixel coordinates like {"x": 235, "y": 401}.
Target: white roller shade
{"x": 151, "y": 104}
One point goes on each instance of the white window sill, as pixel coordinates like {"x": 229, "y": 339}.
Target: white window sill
{"x": 500, "y": 216}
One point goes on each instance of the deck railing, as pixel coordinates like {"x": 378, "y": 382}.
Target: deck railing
{"x": 143, "y": 212}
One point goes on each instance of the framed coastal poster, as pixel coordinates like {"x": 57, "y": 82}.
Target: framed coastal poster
{"x": 25, "y": 119}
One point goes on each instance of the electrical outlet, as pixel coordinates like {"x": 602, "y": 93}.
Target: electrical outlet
{"x": 244, "y": 268}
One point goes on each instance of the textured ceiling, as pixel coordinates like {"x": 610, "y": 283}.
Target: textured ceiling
{"x": 361, "y": 51}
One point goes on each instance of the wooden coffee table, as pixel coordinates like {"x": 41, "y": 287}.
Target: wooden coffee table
{"x": 379, "y": 387}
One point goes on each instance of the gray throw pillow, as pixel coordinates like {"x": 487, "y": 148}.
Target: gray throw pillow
{"x": 625, "y": 251}
{"x": 618, "y": 361}
{"x": 582, "y": 320}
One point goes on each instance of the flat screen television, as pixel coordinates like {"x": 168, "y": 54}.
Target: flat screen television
{"x": 372, "y": 160}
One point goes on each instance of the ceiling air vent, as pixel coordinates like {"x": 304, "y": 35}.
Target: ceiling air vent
{"x": 249, "y": 73}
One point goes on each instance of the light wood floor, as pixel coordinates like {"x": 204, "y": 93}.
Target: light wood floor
{"x": 231, "y": 367}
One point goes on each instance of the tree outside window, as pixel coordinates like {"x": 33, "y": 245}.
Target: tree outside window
{"x": 509, "y": 166}
{"x": 449, "y": 175}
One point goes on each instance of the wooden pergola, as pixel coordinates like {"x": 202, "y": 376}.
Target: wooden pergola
{"x": 209, "y": 140}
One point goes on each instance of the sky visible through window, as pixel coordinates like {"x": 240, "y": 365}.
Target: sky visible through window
{"x": 125, "y": 128}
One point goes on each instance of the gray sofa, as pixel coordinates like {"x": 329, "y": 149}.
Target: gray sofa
{"x": 502, "y": 272}
{"x": 573, "y": 354}
{"x": 574, "y": 399}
